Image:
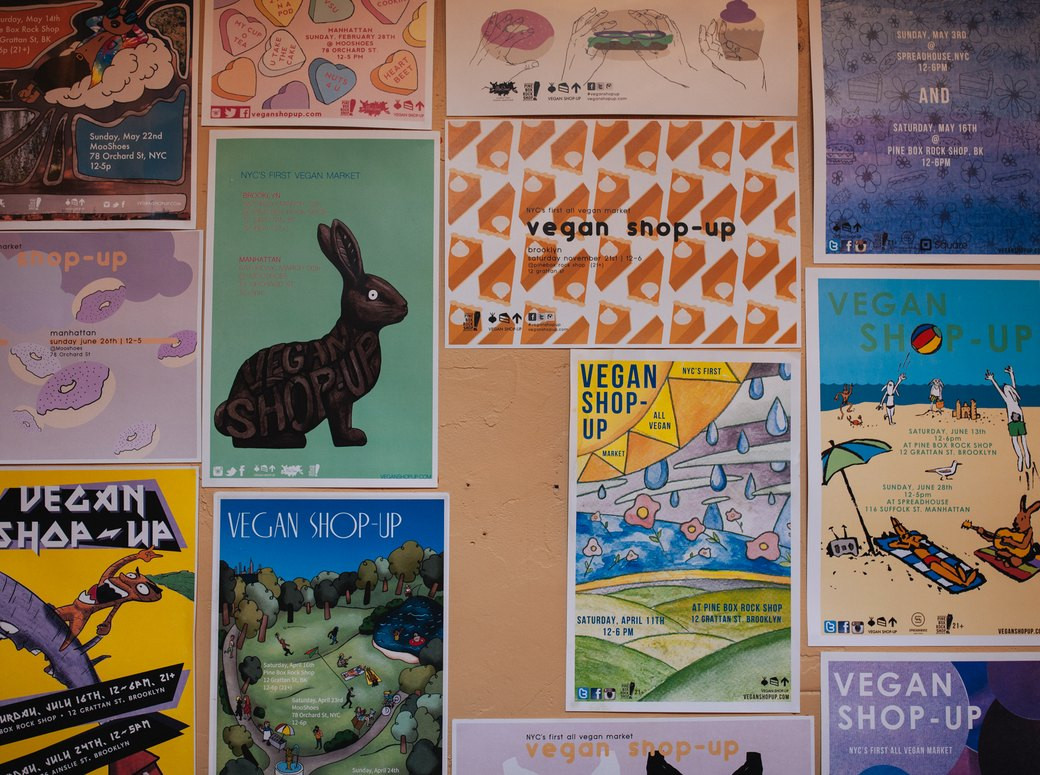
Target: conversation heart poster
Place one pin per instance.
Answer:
(100, 333)
(318, 63)
(925, 131)
(930, 714)
(98, 114)
(631, 233)
(683, 532)
(329, 624)
(629, 746)
(97, 610)
(695, 58)
(923, 480)
(321, 336)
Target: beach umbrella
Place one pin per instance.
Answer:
(285, 730)
(853, 452)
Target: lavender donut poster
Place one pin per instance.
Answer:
(101, 337)
(930, 714)
(926, 133)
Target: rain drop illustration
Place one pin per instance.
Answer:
(750, 487)
(755, 388)
(601, 493)
(778, 465)
(673, 499)
(776, 420)
(742, 443)
(713, 516)
(655, 475)
(712, 434)
(718, 478)
(785, 371)
(772, 499)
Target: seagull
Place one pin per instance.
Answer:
(945, 472)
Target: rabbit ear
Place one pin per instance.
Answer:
(325, 242)
(347, 254)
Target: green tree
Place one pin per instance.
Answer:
(367, 576)
(239, 740)
(405, 562)
(405, 730)
(413, 680)
(248, 618)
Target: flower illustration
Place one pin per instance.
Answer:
(733, 515)
(864, 206)
(848, 21)
(903, 97)
(766, 547)
(693, 529)
(643, 511)
(1015, 96)
(705, 552)
(976, 25)
(632, 555)
(868, 177)
(873, 36)
(946, 217)
(973, 173)
(837, 177)
(593, 548)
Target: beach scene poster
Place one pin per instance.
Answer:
(683, 526)
(329, 633)
(922, 481)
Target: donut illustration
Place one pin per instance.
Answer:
(99, 300)
(180, 352)
(32, 362)
(75, 395)
(138, 439)
(25, 419)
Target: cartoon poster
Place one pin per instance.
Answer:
(320, 315)
(101, 333)
(930, 714)
(922, 480)
(683, 530)
(629, 746)
(701, 58)
(319, 63)
(926, 139)
(565, 233)
(329, 633)
(97, 609)
(97, 123)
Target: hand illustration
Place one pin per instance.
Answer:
(147, 555)
(674, 63)
(715, 45)
(582, 61)
(498, 37)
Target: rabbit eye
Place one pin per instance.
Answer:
(373, 295)
(143, 589)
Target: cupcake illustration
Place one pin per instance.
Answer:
(740, 31)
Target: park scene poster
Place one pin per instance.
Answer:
(329, 634)
(682, 532)
(97, 610)
(922, 483)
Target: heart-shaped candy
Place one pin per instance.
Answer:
(237, 81)
(415, 33)
(239, 33)
(283, 55)
(398, 75)
(279, 12)
(326, 11)
(386, 11)
(330, 81)
(292, 96)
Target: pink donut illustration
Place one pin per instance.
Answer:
(32, 362)
(26, 419)
(180, 352)
(139, 438)
(75, 395)
(99, 300)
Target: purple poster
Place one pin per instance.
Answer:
(931, 714)
(101, 336)
(625, 746)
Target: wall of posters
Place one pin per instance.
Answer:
(683, 526)
(97, 614)
(330, 62)
(940, 714)
(320, 309)
(708, 746)
(926, 144)
(329, 632)
(101, 332)
(98, 116)
(923, 390)
(621, 232)
(680, 58)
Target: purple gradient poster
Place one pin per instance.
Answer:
(931, 714)
(100, 333)
(625, 746)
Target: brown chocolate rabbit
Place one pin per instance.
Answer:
(284, 391)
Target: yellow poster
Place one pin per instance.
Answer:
(97, 589)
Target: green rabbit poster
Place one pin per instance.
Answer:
(320, 309)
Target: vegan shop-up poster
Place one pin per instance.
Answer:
(683, 526)
(101, 333)
(922, 478)
(99, 113)
(329, 633)
(97, 610)
(930, 714)
(320, 312)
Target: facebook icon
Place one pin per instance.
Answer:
(844, 627)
